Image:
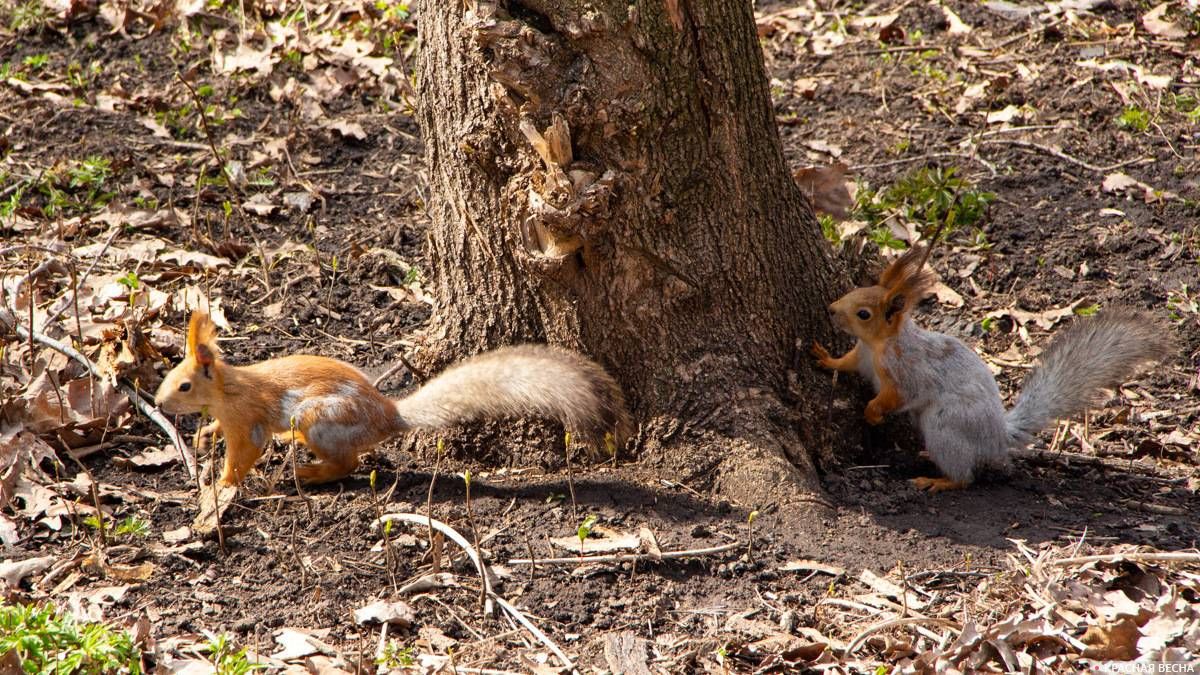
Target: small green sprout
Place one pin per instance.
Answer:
(585, 528)
(227, 661)
(36, 61)
(132, 526)
(130, 280)
(1134, 118)
(1182, 302)
(395, 656)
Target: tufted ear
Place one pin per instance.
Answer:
(902, 268)
(202, 338)
(905, 282)
(895, 303)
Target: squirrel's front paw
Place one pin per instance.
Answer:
(207, 435)
(822, 355)
(874, 414)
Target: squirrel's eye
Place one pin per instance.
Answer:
(186, 386)
(864, 314)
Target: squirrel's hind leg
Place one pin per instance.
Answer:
(327, 470)
(337, 447)
(338, 429)
(291, 435)
(938, 484)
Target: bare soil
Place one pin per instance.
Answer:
(1055, 237)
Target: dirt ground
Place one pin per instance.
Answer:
(1054, 238)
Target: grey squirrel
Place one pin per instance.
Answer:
(949, 391)
(332, 408)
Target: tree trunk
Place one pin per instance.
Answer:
(607, 175)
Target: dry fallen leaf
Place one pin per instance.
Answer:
(214, 500)
(1120, 182)
(13, 572)
(1156, 22)
(298, 202)
(604, 540)
(650, 543)
(1045, 320)
(877, 21)
(1009, 113)
(150, 458)
(260, 204)
(89, 605)
(195, 260)
(827, 188)
(956, 25)
(397, 613)
(244, 58)
(1117, 182)
(294, 644)
(348, 129)
(801, 565)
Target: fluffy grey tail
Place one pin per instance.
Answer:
(524, 380)
(1092, 354)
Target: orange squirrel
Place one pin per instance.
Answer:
(331, 407)
(949, 391)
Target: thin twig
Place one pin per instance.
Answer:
(537, 633)
(1132, 556)
(296, 471)
(1059, 154)
(891, 623)
(917, 158)
(437, 464)
(571, 478)
(895, 50)
(474, 536)
(189, 459)
(626, 557)
(448, 531)
(29, 247)
(457, 538)
(396, 367)
(216, 493)
(212, 145)
(82, 280)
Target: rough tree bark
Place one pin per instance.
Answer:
(607, 175)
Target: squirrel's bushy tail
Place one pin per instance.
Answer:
(536, 380)
(1090, 355)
